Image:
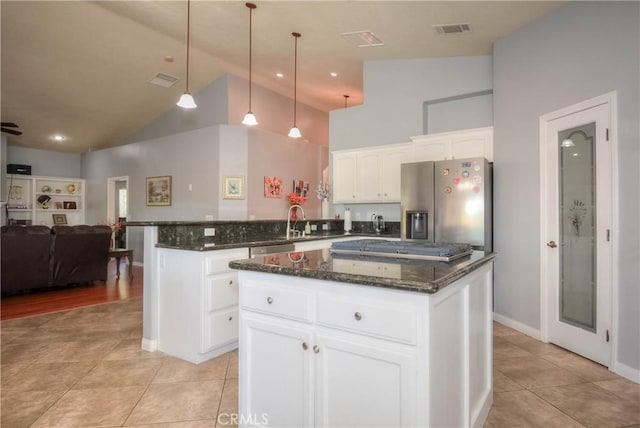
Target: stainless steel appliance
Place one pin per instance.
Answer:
(419, 250)
(448, 201)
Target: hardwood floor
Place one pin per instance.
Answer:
(112, 290)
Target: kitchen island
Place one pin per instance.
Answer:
(342, 340)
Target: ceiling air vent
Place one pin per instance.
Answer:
(362, 39)
(164, 80)
(452, 28)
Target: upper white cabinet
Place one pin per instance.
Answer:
(469, 143)
(45, 200)
(371, 175)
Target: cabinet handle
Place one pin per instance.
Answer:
(305, 346)
(269, 300)
(231, 282)
(316, 349)
(354, 196)
(357, 316)
(378, 194)
(230, 318)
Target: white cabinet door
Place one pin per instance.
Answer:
(368, 177)
(344, 177)
(364, 383)
(431, 149)
(473, 144)
(276, 375)
(390, 180)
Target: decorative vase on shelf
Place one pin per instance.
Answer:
(325, 208)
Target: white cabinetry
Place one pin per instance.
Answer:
(319, 353)
(470, 143)
(371, 175)
(198, 303)
(41, 199)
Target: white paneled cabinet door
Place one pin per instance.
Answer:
(431, 149)
(276, 387)
(344, 177)
(363, 382)
(391, 161)
(476, 144)
(368, 183)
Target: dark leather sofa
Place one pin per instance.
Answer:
(38, 257)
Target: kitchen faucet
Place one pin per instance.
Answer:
(289, 218)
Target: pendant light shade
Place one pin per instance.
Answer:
(250, 118)
(295, 132)
(186, 100)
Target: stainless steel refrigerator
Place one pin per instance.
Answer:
(448, 201)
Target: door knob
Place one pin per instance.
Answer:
(552, 244)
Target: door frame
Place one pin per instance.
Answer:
(609, 98)
(111, 198)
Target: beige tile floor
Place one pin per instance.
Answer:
(84, 368)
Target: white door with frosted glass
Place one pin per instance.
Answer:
(578, 239)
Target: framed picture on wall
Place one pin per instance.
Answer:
(159, 190)
(233, 187)
(59, 219)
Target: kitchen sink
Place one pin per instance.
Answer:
(271, 249)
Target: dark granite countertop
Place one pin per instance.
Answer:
(420, 276)
(260, 241)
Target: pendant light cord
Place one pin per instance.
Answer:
(188, 28)
(295, 77)
(251, 7)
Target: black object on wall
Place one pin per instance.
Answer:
(14, 168)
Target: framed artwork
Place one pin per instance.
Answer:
(233, 187)
(301, 188)
(69, 205)
(272, 187)
(159, 190)
(59, 219)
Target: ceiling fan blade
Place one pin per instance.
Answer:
(11, 131)
(9, 125)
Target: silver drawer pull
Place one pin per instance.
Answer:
(230, 318)
(269, 300)
(357, 316)
(316, 349)
(305, 346)
(231, 282)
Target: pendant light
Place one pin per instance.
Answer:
(250, 118)
(295, 132)
(186, 100)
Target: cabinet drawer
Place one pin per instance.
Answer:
(219, 329)
(368, 317)
(220, 262)
(292, 304)
(221, 291)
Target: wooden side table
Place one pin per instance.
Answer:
(119, 253)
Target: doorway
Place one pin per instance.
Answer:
(118, 207)
(577, 204)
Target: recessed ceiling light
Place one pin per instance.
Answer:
(279, 75)
(333, 74)
(58, 137)
(168, 58)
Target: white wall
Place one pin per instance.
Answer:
(45, 162)
(583, 50)
(233, 160)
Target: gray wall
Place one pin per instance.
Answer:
(46, 162)
(395, 96)
(583, 50)
(288, 159)
(395, 92)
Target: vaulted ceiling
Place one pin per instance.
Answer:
(82, 68)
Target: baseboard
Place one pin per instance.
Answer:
(149, 345)
(483, 414)
(627, 372)
(517, 325)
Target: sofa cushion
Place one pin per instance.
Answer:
(25, 257)
(80, 253)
